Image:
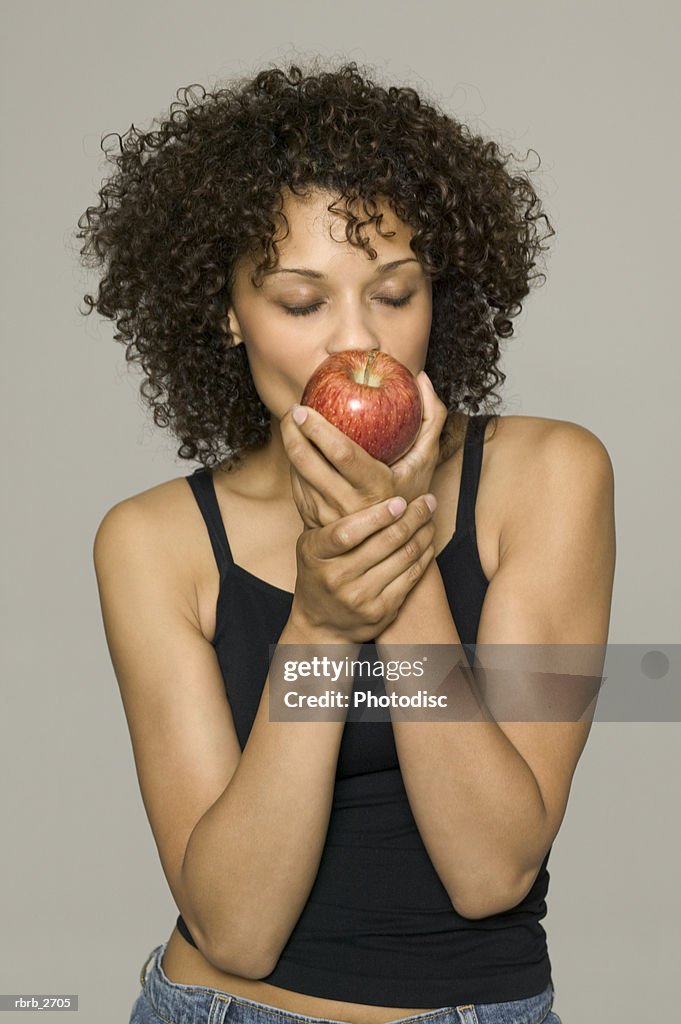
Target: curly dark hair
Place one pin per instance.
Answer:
(189, 200)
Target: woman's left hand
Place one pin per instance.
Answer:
(332, 476)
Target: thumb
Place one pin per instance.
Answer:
(434, 411)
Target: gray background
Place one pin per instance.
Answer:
(594, 89)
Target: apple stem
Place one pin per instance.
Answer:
(367, 369)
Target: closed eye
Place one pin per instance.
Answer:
(307, 310)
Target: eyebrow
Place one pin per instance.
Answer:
(306, 272)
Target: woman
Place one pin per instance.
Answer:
(337, 869)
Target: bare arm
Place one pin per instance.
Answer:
(240, 834)
(252, 859)
(488, 796)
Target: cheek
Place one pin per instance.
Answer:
(280, 363)
(410, 345)
(414, 332)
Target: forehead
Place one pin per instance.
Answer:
(314, 236)
(313, 226)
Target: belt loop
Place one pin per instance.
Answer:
(143, 972)
(218, 1008)
(467, 1014)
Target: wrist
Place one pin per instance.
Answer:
(300, 630)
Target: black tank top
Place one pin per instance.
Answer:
(378, 926)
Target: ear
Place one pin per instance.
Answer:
(231, 324)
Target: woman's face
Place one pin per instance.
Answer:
(337, 299)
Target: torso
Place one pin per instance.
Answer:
(509, 443)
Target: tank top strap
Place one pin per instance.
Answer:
(202, 484)
(470, 472)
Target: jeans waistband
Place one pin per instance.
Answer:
(198, 1004)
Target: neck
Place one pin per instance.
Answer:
(452, 436)
(266, 472)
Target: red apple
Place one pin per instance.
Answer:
(371, 397)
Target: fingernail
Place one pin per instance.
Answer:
(299, 413)
(397, 506)
(431, 502)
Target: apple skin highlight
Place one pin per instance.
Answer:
(371, 397)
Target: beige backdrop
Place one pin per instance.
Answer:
(594, 88)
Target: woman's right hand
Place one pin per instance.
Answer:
(354, 574)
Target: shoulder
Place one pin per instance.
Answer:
(155, 510)
(157, 530)
(537, 445)
(547, 468)
(526, 432)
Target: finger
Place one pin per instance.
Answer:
(313, 468)
(433, 420)
(434, 411)
(360, 469)
(348, 532)
(383, 575)
(387, 553)
(330, 491)
(313, 509)
(395, 592)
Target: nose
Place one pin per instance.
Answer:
(352, 331)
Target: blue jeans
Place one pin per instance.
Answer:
(162, 1001)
